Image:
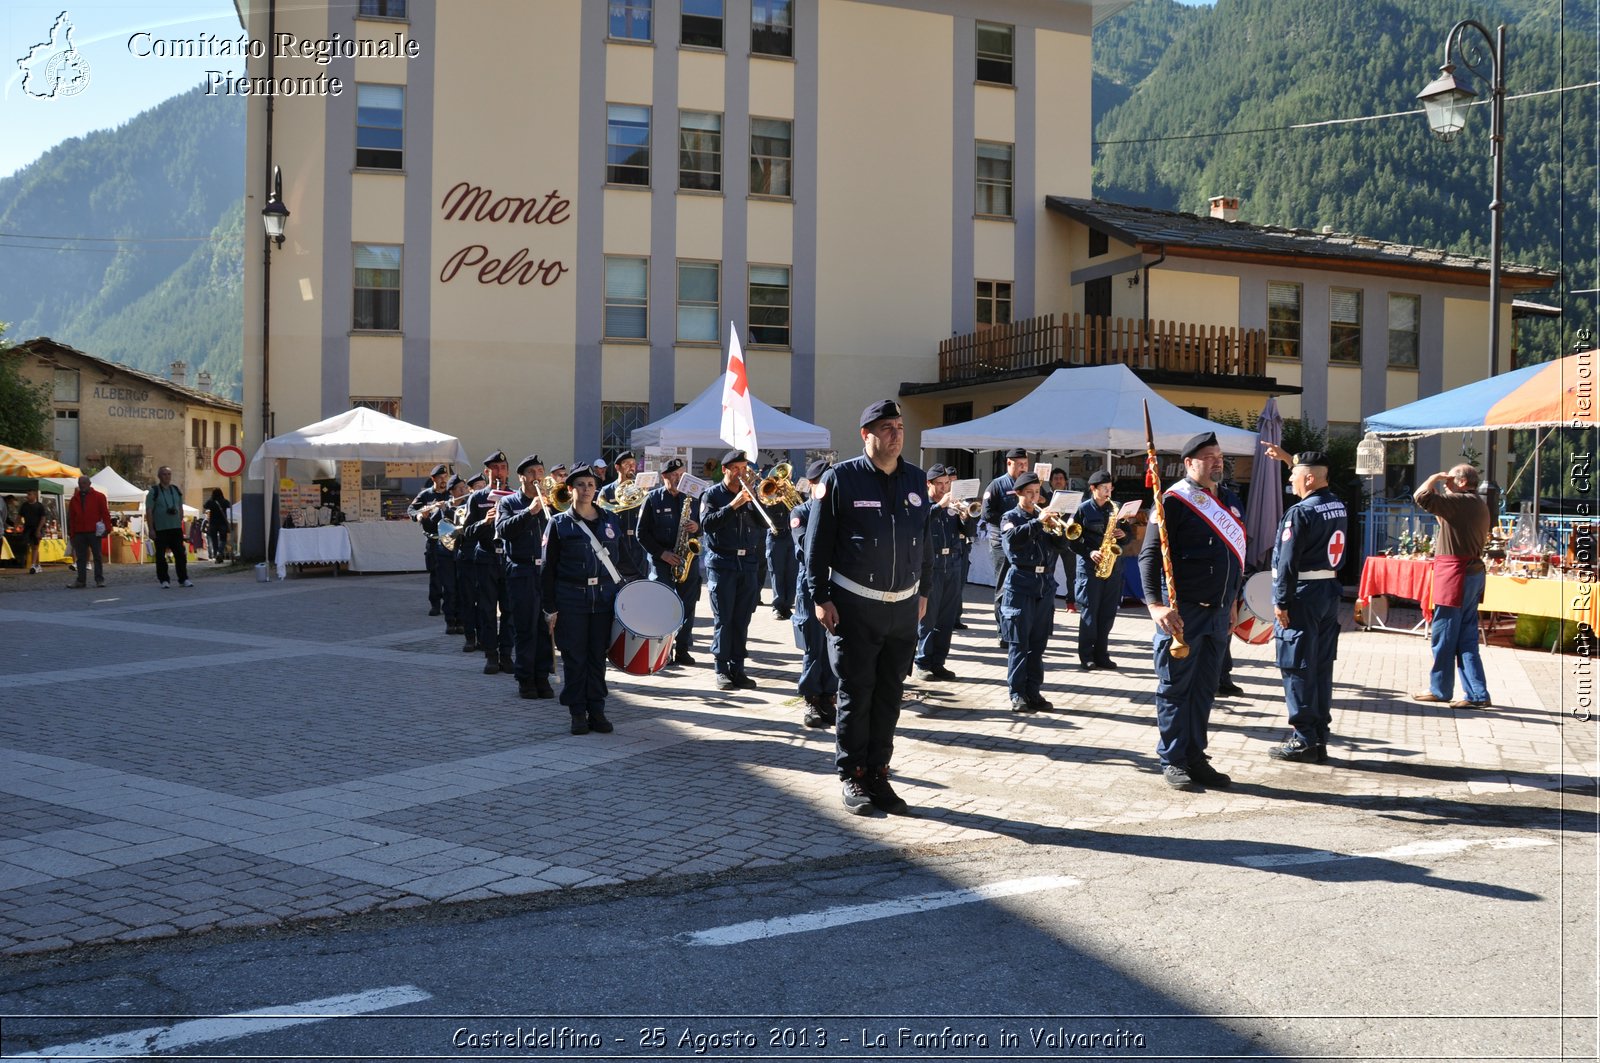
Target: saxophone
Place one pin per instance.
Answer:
(1109, 550)
(684, 546)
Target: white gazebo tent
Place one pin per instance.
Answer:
(699, 424)
(110, 483)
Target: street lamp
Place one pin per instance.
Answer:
(1446, 100)
(274, 214)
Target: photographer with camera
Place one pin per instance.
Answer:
(163, 520)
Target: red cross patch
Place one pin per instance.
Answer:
(1335, 549)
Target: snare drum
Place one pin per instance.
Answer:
(648, 615)
(1256, 614)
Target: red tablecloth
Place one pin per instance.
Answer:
(1398, 577)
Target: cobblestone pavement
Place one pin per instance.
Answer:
(242, 755)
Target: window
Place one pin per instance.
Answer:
(380, 126)
(618, 422)
(700, 151)
(1405, 313)
(383, 8)
(197, 433)
(66, 436)
(627, 297)
(1283, 319)
(1099, 243)
(66, 386)
(772, 27)
(994, 179)
(377, 288)
(996, 52)
(1344, 325)
(383, 404)
(627, 144)
(769, 305)
(699, 303)
(702, 23)
(630, 19)
(770, 140)
(994, 303)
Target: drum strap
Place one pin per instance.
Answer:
(600, 552)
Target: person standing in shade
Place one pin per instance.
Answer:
(634, 562)
(1028, 607)
(466, 569)
(1097, 598)
(217, 525)
(998, 500)
(488, 570)
(88, 520)
(31, 515)
(581, 580)
(867, 568)
(734, 539)
(426, 509)
(1305, 601)
(519, 523)
(1206, 537)
(1458, 581)
(163, 518)
(455, 490)
(661, 519)
(780, 559)
(818, 686)
(938, 623)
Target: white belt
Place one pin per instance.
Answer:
(853, 587)
(1038, 569)
(592, 581)
(946, 550)
(1324, 573)
(739, 553)
(630, 532)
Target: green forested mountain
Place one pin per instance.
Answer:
(128, 242)
(1263, 64)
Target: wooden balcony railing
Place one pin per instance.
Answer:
(1066, 341)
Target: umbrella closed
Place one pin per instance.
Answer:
(1263, 510)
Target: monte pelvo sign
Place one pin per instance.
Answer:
(471, 203)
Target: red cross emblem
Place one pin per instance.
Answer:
(1335, 549)
(740, 383)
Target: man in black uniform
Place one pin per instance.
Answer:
(426, 509)
(1097, 598)
(735, 538)
(519, 522)
(998, 500)
(945, 541)
(634, 563)
(1028, 606)
(1205, 532)
(867, 565)
(818, 686)
(466, 578)
(1067, 548)
(1305, 599)
(488, 569)
(660, 519)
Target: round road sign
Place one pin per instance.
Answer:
(229, 461)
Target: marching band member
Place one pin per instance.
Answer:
(734, 537)
(1066, 547)
(520, 522)
(633, 564)
(450, 560)
(937, 625)
(488, 569)
(426, 509)
(998, 499)
(1206, 540)
(780, 561)
(867, 567)
(818, 685)
(661, 518)
(580, 584)
(466, 573)
(1028, 606)
(1097, 598)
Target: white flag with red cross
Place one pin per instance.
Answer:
(738, 418)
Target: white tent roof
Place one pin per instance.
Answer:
(110, 483)
(360, 434)
(699, 424)
(1096, 408)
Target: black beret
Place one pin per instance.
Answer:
(478, 479)
(815, 470)
(1204, 439)
(1311, 458)
(626, 455)
(734, 455)
(936, 471)
(497, 456)
(531, 459)
(454, 481)
(1100, 476)
(1017, 452)
(439, 470)
(673, 466)
(580, 470)
(558, 468)
(879, 411)
(1023, 481)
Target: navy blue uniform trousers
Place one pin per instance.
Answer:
(494, 606)
(1097, 610)
(467, 596)
(583, 639)
(870, 650)
(522, 588)
(1306, 651)
(939, 622)
(1025, 625)
(781, 568)
(1186, 686)
(733, 600)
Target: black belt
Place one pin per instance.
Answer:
(523, 560)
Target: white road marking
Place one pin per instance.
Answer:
(1399, 852)
(227, 1027)
(758, 929)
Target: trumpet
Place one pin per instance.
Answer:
(970, 508)
(1063, 526)
(779, 487)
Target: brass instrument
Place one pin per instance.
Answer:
(1109, 550)
(685, 546)
(450, 527)
(560, 498)
(627, 496)
(1057, 524)
(963, 509)
(779, 487)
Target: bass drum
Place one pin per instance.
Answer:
(1255, 615)
(648, 616)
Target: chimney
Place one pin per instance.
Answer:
(1225, 208)
(178, 373)
(203, 381)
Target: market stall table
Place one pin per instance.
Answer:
(386, 546)
(311, 546)
(1565, 599)
(1396, 577)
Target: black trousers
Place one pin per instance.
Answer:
(870, 650)
(171, 539)
(997, 557)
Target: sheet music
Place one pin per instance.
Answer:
(966, 490)
(692, 485)
(1064, 501)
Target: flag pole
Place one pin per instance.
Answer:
(1152, 479)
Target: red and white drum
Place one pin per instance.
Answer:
(1255, 615)
(648, 615)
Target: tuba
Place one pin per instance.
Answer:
(779, 487)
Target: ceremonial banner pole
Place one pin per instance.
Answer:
(1152, 480)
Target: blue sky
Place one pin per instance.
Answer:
(120, 83)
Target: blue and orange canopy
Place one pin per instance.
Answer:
(1558, 394)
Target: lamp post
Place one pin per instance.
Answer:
(273, 217)
(1445, 101)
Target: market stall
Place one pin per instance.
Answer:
(13, 545)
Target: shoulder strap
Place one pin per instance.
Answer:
(599, 551)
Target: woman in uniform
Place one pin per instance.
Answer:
(581, 580)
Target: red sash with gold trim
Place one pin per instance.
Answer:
(1208, 508)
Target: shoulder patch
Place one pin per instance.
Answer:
(794, 522)
(914, 498)
(821, 491)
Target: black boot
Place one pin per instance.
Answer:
(882, 794)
